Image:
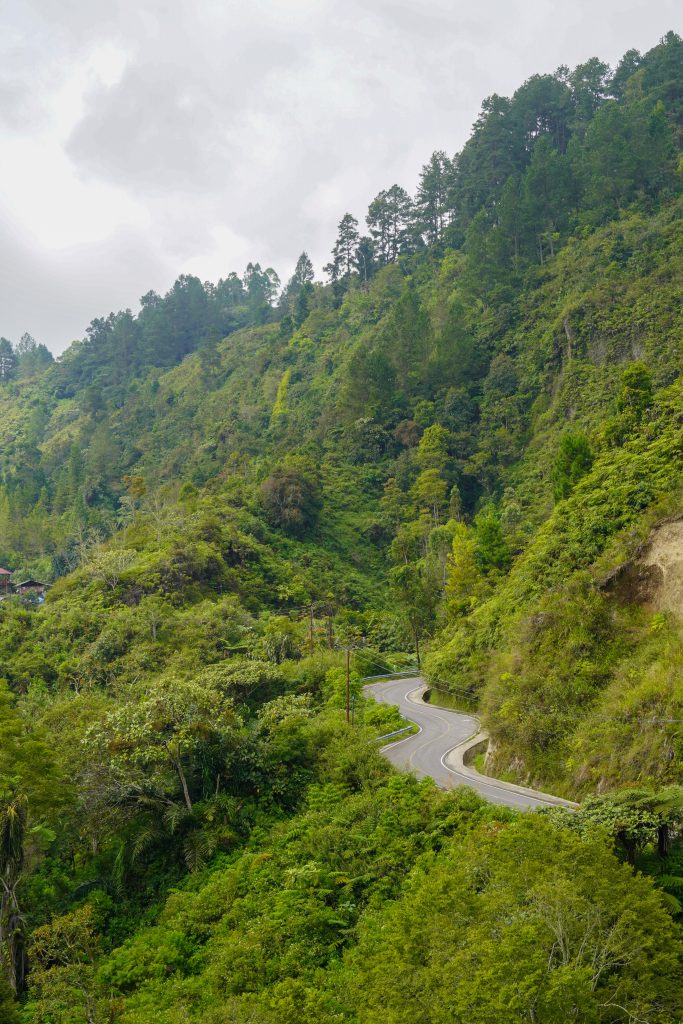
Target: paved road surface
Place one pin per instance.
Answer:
(437, 749)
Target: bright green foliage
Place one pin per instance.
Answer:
(27, 765)
(491, 551)
(635, 396)
(464, 583)
(257, 933)
(280, 407)
(176, 728)
(523, 923)
(329, 916)
(64, 955)
(460, 447)
(634, 818)
(429, 493)
(433, 449)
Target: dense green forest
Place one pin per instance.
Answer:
(463, 448)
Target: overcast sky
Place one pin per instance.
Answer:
(142, 139)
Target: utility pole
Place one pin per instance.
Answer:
(310, 633)
(327, 609)
(348, 646)
(348, 685)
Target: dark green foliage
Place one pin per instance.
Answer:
(574, 459)
(331, 912)
(512, 926)
(416, 595)
(389, 219)
(433, 210)
(343, 262)
(491, 550)
(292, 498)
(9, 1011)
(8, 361)
(33, 358)
(634, 819)
(462, 446)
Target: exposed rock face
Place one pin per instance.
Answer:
(655, 576)
(663, 557)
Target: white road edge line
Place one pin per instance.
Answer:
(466, 774)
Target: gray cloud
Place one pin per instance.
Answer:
(242, 130)
(55, 297)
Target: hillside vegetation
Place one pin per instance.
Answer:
(459, 449)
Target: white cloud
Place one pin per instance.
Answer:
(145, 138)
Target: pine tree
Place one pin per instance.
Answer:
(366, 264)
(343, 262)
(261, 287)
(297, 295)
(8, 361)
(432, 201)
(389, 219)
(547, 198)
(303, 272)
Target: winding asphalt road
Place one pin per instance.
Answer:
(438, 749)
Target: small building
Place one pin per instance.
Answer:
(5, 582)
(32, 588)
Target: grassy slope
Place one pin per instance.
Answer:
(606, 299)
(567, 676)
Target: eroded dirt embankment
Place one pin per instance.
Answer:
(655, 577)
(664, 557)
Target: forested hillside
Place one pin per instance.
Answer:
(465, 448)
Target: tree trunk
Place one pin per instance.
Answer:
(12, 942)
(630, 847)
(183, 783)
(12, 925)
(663, 841)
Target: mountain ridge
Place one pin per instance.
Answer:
(246, 502)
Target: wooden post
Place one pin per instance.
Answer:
(348, 684)
(310, 633)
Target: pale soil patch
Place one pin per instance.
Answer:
(664, 557)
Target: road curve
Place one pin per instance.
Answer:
(437, 749)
